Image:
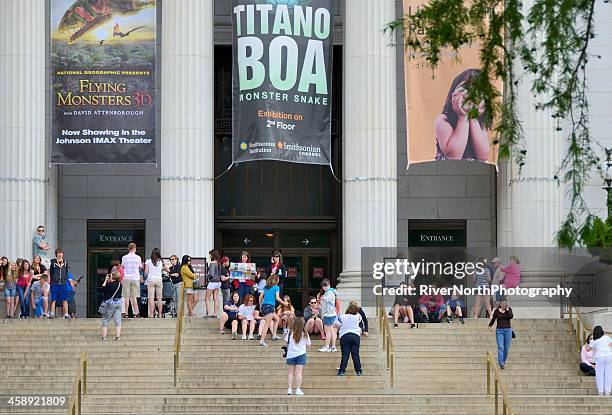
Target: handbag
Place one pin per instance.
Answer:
(104, 305)
(286, 346)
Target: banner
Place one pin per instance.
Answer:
(282, 80)
(438, 128)
(103, 81)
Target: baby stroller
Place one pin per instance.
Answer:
(167, 299)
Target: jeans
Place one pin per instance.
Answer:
(243, 290)
(588, 370)
(504, 337)
(176, 295)
(24, 301)
(349, 344)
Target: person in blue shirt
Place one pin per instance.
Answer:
(268, 299)
(454, 306)
(229, 317)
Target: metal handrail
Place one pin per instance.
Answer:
(79, 388)
(385, 328)
(582, 330)
(506, 407)
(178, 332)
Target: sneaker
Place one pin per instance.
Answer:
(289, 391)
(502, 367)
(263, 344)
(360, 373)
(333, 349)
(462, 321)
(275, 338)
(258, 336)
(234, 335)
(448, 320)
(221, 332)
(299, 392)
(117, 338)
(340, 373)
(324, 349)
(251, 337)
(243, 337)
(103, 338)
(285, 331)
(412, 325)
(51, 315)
(395, 326)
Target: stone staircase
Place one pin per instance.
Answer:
(541, 375)
(439, 369)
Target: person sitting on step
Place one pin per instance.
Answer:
(432, 307)
(586, 358)
(402, 309)
(246, 315)
(229, 318)
(454, 306)
(312, 315)
(286, 314)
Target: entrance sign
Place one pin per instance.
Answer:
(103, 81)
(282, 80)
(436, 108)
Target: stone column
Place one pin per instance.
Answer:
(187, 116)
(369, 137)
(22, 125)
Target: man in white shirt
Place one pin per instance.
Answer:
(130, 291)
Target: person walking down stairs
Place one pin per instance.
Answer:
(503, 334)
(602, 353)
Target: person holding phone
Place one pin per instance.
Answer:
(312, 315)
(111, 295)
(268, 299)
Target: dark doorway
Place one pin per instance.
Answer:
(107, 240)
(266, 205)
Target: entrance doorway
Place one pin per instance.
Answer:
(307, 265)
(107, 240)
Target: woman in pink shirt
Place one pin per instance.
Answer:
(432, 305)
(586, 358)
(512, 273)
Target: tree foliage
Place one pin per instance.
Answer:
(546, 45)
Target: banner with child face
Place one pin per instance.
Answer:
(103, 81)
(282, 80)
(438, 127)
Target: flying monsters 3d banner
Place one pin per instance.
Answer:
(103, 81)
(282, 80)
(436, 109)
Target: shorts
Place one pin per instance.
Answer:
(213, 285)
(154, 289)
(112, 311)
(329, 321)
(38, 306)
(189, 291)
(267, 309)
(130, 289)
(10, 292)
(59, 292)
(297, 360)
(228, 323)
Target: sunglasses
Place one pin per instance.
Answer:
(313, 302)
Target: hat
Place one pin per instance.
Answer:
(224, 259)
(496, 259)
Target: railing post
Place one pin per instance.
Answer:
(504, 407)
(175, 366)
(85, 375)
(392, 370)
(578, 334)
(569, 321)
(488, 375)
(496, 397)
(79, 397)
